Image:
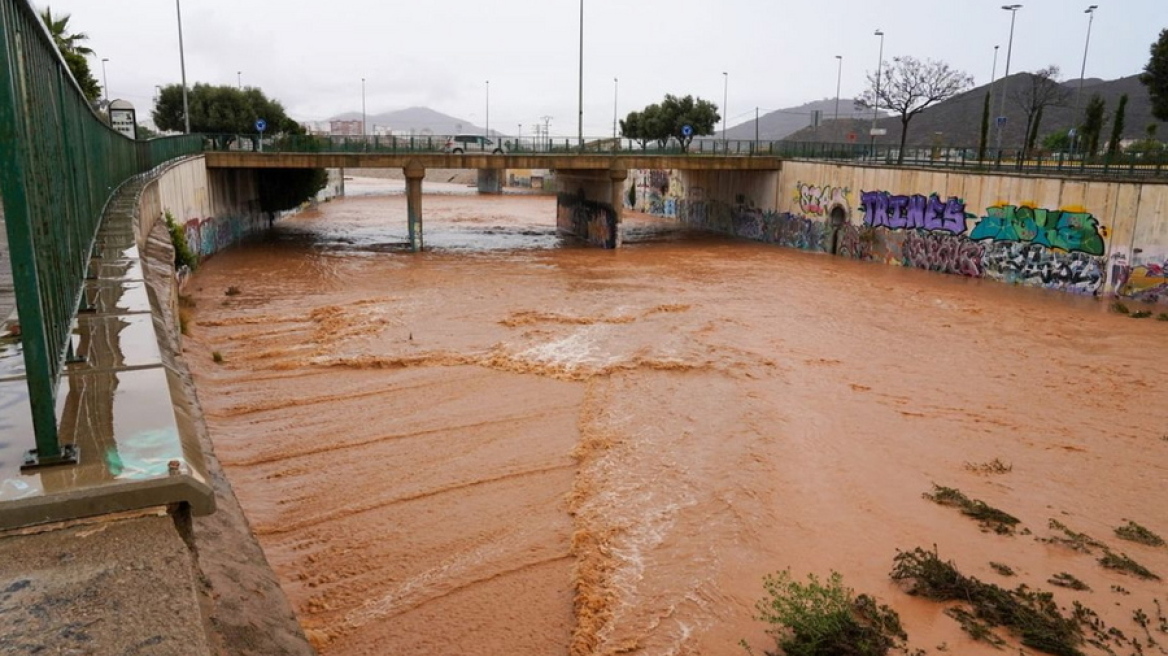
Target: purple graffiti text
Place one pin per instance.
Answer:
(916, 212)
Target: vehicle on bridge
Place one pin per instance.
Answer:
(473, 143)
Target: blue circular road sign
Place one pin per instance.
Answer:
(686, 131)
(261, 125)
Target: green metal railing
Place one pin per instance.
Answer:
(59, 164)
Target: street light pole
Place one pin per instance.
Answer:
(580, 123)
(838, 76)
(488, 120)
(183, 65)
(362, 106)
(876, 98)
(105, 81)
(615, 93)
(1090, 11)
(725, 105)
(1013, 9)
(239, 79)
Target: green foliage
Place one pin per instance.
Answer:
(285, 189)
(1002, 568)
(1155, 76)
(1117, 126)
(1121, 308)
(986, 515)
(217, 357)
(144, 132)
(73, 52)
(1057, 141)
(1067, 580)
(663, 121)
(183, 255)
(223, 109)
(1093, 123)
(985, 128)
(826, 619)
(1123, 563)
(1031, 614)
(1072, 539)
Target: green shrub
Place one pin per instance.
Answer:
(1136, 533)
(183, 255)
(826, 619)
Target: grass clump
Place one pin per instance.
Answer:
(1120, 308)
(986, 515)
(995, 466)
(1140, 314)
(826, 619)
(1123, 563)
(217, 357)
(232, 291)
(1077, 541)
(1002, 568)
(1068, 580)
(1136, 533)
(183, 255)
(1163, 316)
(1030, 614)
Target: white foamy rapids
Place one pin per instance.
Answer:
(582, 349)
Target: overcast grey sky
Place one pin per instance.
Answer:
(311, 55)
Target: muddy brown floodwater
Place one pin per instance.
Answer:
(511, 445)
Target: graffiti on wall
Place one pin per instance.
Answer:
(591, 221)
(1020, 262)
(1147, 281)
(213, 234)
(942, 253)
(659, 191)
(816, 200)
(916, 212)
(1072, 231)
(749, 222)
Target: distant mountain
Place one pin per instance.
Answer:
(957, 121)
(776, 125)
(416, 120)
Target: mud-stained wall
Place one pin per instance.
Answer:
(584, 208)
(216, 208)
(1093, 237)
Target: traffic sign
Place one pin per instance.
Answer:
(877, 132)
(1000, 121)
(261, 125)
(686, 131)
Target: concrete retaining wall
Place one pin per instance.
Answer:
(1094, 237)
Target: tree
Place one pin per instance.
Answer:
(908, 86)
(222, 109)
(73, 52)
(1155, 77)
(1043, 91)
(663, 121)
(985, 128)
(1093, 124)
(1057, 141)
(1117, 126)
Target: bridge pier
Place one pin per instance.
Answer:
(589, 205)
(491, 181)
(414, 172)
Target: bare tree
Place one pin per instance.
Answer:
(1044, 90)
(908, 86)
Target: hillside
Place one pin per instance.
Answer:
(958, 119)
(418, 120)
(778, 124)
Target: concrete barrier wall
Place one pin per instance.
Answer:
(216, 208)
(585, 208)
(1094, 237)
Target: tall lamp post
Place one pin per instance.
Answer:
(615, 93)
(362, 106)
(1090, 11)
(838, 76)
(239, 80)
(725, 105)
(580, 123)
(104, 80)
(876, 98)
(183, 65)
(1013, 9)
(488, 119)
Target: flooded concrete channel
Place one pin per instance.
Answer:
(511, 444)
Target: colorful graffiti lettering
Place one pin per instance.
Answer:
(1070, 231)
(1147, 282)
(855, 242)
(942, 253)
(916, 212)
(819, 201)
(748, 222)
(591, 221)
(1035, 264)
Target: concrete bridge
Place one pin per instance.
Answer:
(589, 203)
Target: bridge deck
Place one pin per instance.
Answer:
(254, 160)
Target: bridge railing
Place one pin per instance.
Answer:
(940, 156)
(59, 164)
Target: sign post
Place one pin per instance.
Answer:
(260, 126)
